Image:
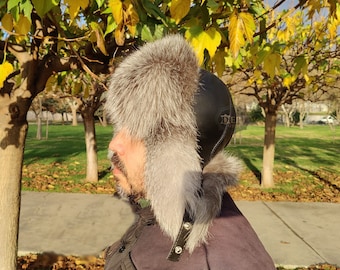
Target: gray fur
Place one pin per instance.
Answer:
(151, 96)
(221, 172)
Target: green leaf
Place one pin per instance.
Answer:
(300, 64)
(151, 32)
(153, 10)
(27, 8)
(262, 54)
(12, 3)
(100, 3)
(111, 25)
(43, 7)
(213, 6)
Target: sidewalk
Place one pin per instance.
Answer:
(295, 234)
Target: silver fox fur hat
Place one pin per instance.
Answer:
(151, 95)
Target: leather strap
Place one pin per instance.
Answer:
(182, 237)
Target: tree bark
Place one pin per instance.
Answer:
(39, 116)
(91, 148)
(13, 130)
(268, 150)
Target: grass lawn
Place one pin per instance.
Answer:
(306, 160)
(62, 156)
(304, 157)
(310, 148)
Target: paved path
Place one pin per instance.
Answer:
(295, 234)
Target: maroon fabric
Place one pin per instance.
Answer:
(233, 244)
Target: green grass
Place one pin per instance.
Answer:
(310, 148)
(65, 149)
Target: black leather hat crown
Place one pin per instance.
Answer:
(215, 116)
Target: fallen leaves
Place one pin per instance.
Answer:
(320, 186)
(52, 261)
(58, 177)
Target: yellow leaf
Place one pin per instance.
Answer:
(257, 74)
(288, 80)
(179, 9)
(248, 25)
(212, 39)
(204, 40)
(131, 14)
(23, 26)
(220, 62)
(193, 35)
(307, 78)
(83, 3)
(51, 82)
(117, 10)
(120, 35)
(132, 29)
(241, 25)
(271, 64)
(74, 6)
(333, 28)
(314, 6)
(99, 37)
(235, 34)
(199, 48)
(7, 22)
(6, 69)
(131, 17)
(76, 89)
(229, 60)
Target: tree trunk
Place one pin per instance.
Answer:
(74, 118)
(268, 151)
(74, 107)
(286, 116)
(104, 122)
(39, 116)
(91, 148)
(46, 131)
(13, 130)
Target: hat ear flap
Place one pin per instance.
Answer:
(173, 181)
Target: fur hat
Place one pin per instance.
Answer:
(152, 96)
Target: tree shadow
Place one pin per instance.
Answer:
(104, 173)
(252, 168)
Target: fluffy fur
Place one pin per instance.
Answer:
(221, 172)
(151, 95)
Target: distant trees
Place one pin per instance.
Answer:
(296, 59)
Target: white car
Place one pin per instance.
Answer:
(327, 120)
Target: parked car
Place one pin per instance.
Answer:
(327, 120)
